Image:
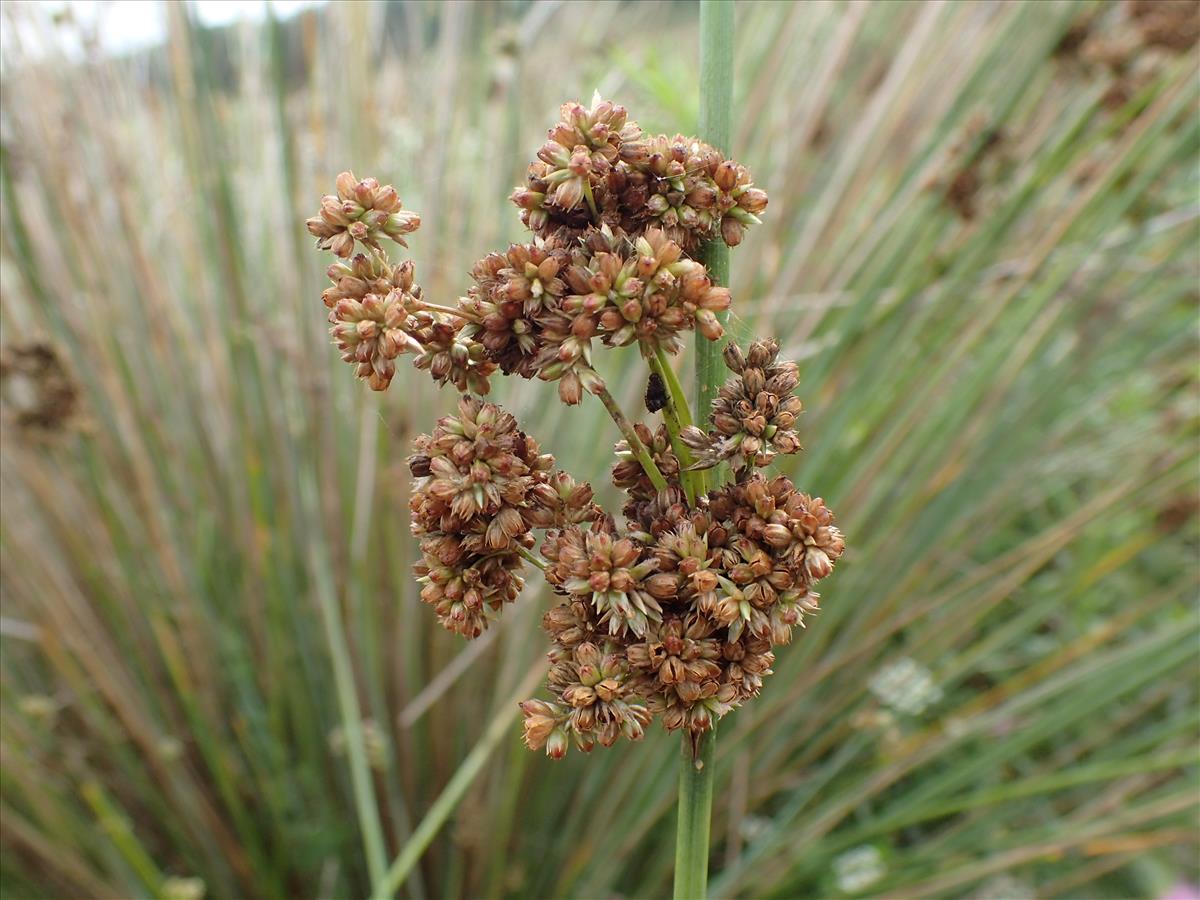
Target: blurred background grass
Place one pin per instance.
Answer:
(982, 246)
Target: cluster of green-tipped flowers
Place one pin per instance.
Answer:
(673, 608)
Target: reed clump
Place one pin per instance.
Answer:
(997, 698)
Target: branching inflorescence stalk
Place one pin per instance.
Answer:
(635, 444)
(677, 416)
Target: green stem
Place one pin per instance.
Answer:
(696, 759)
(716, 126)
(674, 387)
(674, 414)
(529, 557)
(635, 443)
(347, 697)
(591, 201)
(695, 812)
(683, 409)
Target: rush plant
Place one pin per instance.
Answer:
(673, 607)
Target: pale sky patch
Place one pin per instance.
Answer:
(121, 26)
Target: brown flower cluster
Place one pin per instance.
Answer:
(599, 168)
(613, 572)
(616, 216)
(686, 606)
(373, 320)
(1171, 24)
(754, 414)
(597, 691)
(685, 622)
(538, 307)
(675, 612)
(482, 486)
(376, 308)
(360, 211)
(1132, 42)
(37, 392)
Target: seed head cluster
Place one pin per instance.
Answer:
(363, 212)
(482, 486)
(598, 164)
(754, 414)
(616, 216)
(539, 308)
(689, 603)
(376, 310)
(37, 391)
(675, 611)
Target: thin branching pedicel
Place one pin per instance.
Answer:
(676, 611)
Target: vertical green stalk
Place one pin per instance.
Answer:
(696, 759)
(716, 117)
(695, 814)
(347, 696)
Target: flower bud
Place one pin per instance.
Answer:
(726, 175)
(753, 200)
(777, 536)
(731, 231)
(556, 744)
(817, 562)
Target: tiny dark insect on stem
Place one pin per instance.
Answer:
(656, 393)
